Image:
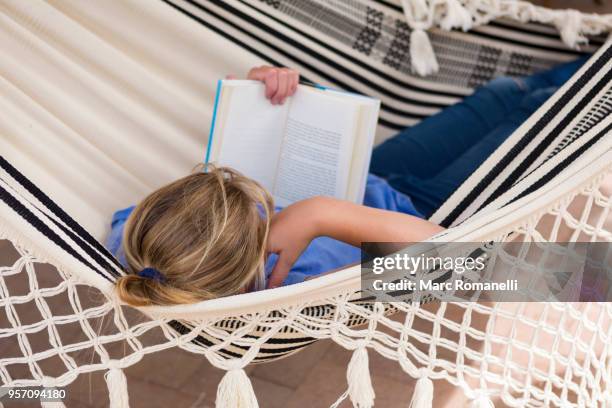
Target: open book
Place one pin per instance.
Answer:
(317, 143)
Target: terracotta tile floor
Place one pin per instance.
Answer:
(314, 377)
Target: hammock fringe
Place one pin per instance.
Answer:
(360, 387)
(569, 26)
(117, 387)
(456, 16)
(423, 393)
(236, 391)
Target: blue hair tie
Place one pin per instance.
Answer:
(152, 273)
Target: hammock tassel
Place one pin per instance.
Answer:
(359, 382)
(117, 387)
(569, 27)
(456, 16)
(423, 393)
(422, 56)
(482, 401)
(236, 391)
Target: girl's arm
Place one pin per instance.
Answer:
(354, 224)
(293, 228)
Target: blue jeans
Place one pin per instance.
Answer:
(430, 160)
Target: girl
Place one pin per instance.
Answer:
(209, 234)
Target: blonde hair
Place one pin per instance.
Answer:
(205, 233)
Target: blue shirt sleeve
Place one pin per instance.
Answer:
(379, 194)
(323, 254)
(113, 241)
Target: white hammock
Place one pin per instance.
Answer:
(100, 105)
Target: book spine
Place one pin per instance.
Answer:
(312, 84)
(212, 125)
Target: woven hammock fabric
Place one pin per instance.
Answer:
(99, 106)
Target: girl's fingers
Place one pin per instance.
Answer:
(280, 82)
(271, 81)
(295, 78)
(257, 74)
(283, 87)
(280, 272)
(292, 79)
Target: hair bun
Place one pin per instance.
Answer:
(131, 289)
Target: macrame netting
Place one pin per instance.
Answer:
(550, 182)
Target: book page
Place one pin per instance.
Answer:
(250, 131)
(317, 148)
(362, 152)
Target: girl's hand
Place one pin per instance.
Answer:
(291, 231)
(280, 82)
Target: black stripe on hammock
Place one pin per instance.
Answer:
(490, 36)
(81, 237)
(75, 238)
(282, 353)
(384, 107)
(531, 133)
(561, 49)
(537, 28)
(199, 339)
(561, 166)
(272, 351)
(44, 229)
(283, 350)
(282, 340)
(523, 28)
(547, 141)
(591, 118)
